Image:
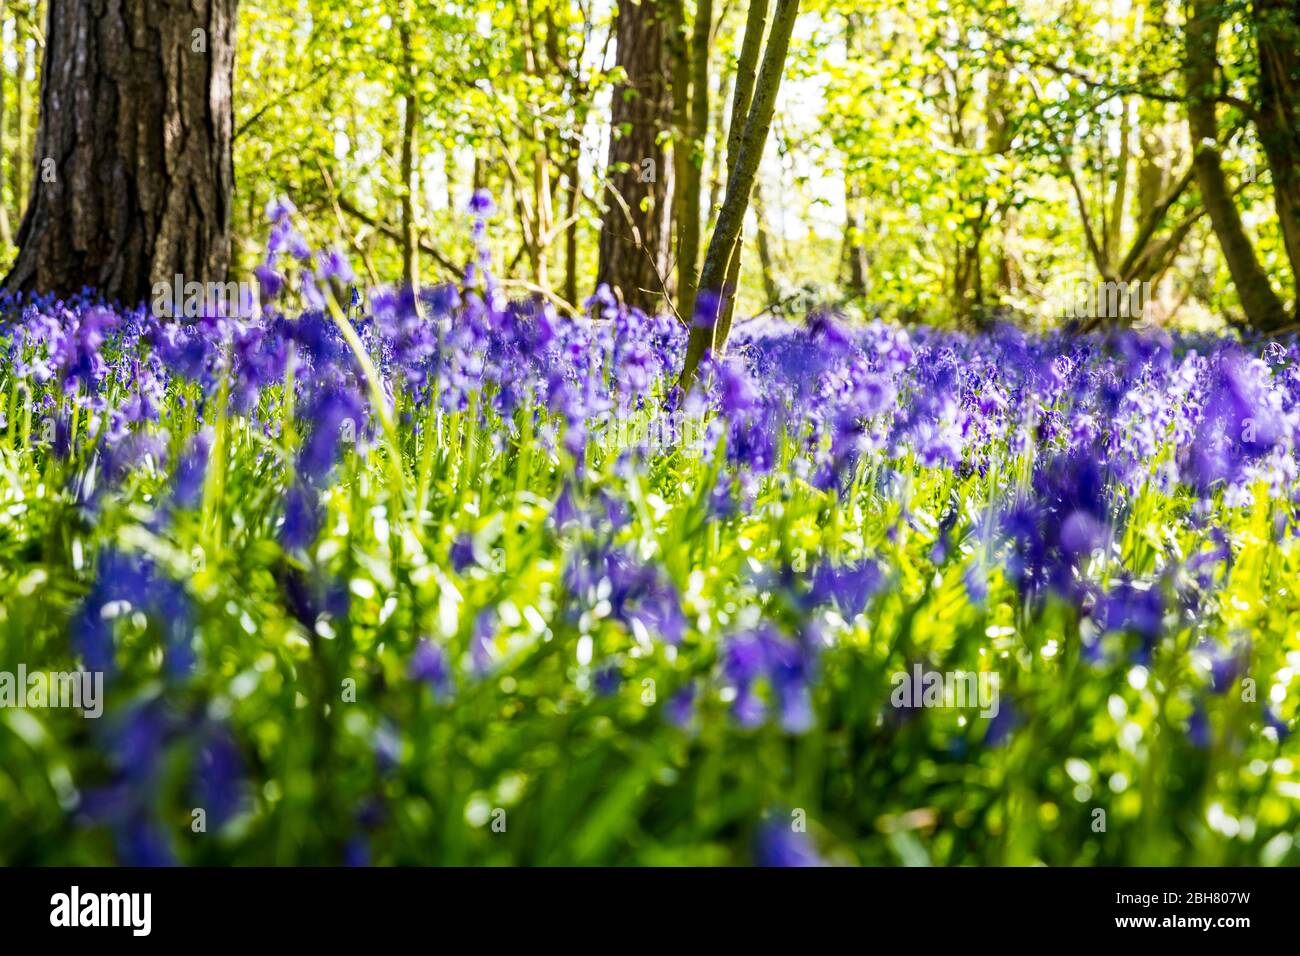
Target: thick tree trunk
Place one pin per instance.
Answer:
(133, 170)
(634, 235)
(1264, 310)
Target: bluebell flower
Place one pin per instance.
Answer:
(607, 678)
(462, 553)
(1198, 728)
(356, 851)
(1001, 725)
(387, 746)
(335, 265)
(848, 586)
(679, 709)
(336, 418)
(191, 471)
(143, 843)
(429, 664)
(302, 517)
(219, 775)
(1274, 720)
(481, 204)
(776, 844)
(482, 653)
(1127, 607)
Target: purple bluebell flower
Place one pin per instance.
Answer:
(1274, 720)
(1127, 607)
(1198, 728)
(777, 844)
(336, 418)
(607, 678)
(762, 656)
(302, 517)
(1001, 725)
(430, 665)
(462, 553)
(334, 265)
(848, 586)
(219, 775)
(356, 852)
(679, 709)
(191, 471)
(481, 204)
(387, 746)
(482, 652)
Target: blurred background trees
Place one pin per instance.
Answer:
(952, 161)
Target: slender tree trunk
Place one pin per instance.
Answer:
(573, 195)
(1119, 196)
(740, 184)
(717, 165)
(449, 170)
(764, 250)
(1007, 277)
(1264, 310)
(742, 98)
(410, 164)
(6, 233)
(1153, 216)
(688, 244)
(679, 56)
(853, 254)
(634, 235)
(133, 174)
(1152, 169)
(542, 216)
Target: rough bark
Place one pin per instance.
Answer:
(634, 236)
(1264, 310)
(133, 172)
